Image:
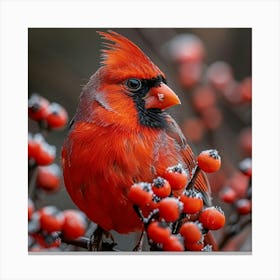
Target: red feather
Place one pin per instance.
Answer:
(124, 59)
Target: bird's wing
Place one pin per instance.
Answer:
(201, 183)
(174, 131)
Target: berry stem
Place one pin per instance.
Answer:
(144, 220)
(43, 128)
(193, 178)
(139, 245)
(178, 223)
(32, 175)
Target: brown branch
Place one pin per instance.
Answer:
(85, 243)
(82, 242)
(232, 230)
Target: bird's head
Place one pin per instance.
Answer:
(127, 74)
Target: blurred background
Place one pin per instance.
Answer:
(209, 69)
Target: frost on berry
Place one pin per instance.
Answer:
(34, 223)
(161, 187)
(170, 209)
(49, 148)
(186, 48)
(177, 177)
(245, 166)
(192, 201)
(37, 107)
(74, 224)
(140, 194)
(193, 193)
(158, 182)
(48, 177)
(213, 153)
(228, 194)
(38, 137)
(176, 168)
(212, 218)
(209, 160)
(220, 75)
(244, 206)
(57, 116)
(158, 232)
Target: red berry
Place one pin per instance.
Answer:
(33, 146)
(189, 74)
(169, 209)
(244, 206)
(158, 232)
(246, 89)
(212, 218)
(245, 166)
(140, 194)
(212, 117)
(46, 154)
(51, 219)
(173, 244)
(74, 224)
(197, 246)
(239, 183)
(186, 48)
(148, 208)
(49, 240)
(37, 107)
(203, 98)
(192, 201)
(228, 195)
(220, 75)
(209, 161)
(176, 176)
(194, 129)
(191, 232)
(40, 150)
(232, 93)
(31, 208)
(245, 141)
(48, 177)
(161, 187)
(57, 116)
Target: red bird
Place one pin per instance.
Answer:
(121, 134)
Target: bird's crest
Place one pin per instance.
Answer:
(126, 59)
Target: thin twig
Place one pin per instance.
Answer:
(193, 178)
(232, 230)
(145, 221)
(32, 175)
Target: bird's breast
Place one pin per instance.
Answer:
(101, 163)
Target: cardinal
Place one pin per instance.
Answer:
(122, 134)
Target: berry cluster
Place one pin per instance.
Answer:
(237, 194)
(49, 115)
(47, 226)
(221, 106)
(172, 209)
(41, 155)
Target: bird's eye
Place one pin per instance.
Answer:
(133, 84)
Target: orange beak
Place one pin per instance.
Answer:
(161, 97)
